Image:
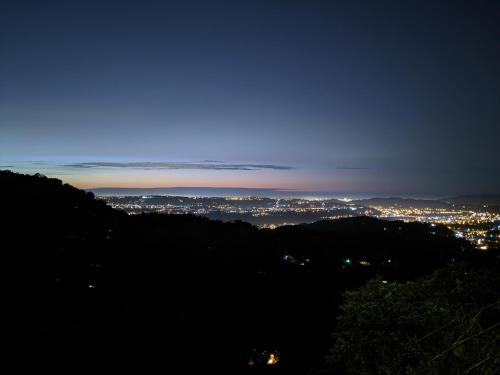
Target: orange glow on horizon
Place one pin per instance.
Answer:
(154, 181)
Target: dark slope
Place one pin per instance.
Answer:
(88, 289)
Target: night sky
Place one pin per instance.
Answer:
(392, 97)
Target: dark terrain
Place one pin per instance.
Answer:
(88, 289)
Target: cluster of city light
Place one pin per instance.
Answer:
(475, 226)
(230, 205)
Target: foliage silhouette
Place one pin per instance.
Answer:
(445, 323)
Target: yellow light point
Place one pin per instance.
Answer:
(273, 359)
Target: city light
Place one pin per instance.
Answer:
(479, 226)
(273, 359)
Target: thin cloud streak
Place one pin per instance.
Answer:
(352, 168)
(177, 166)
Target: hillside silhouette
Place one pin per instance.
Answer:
(88, 289)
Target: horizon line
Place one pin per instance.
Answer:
(305, 192)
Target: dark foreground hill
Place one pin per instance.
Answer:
(89, 290)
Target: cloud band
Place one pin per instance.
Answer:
(176, 166)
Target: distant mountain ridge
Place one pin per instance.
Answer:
(402, 202)
(475, 199)
(186, 191)
(221, 192)
(362, 199)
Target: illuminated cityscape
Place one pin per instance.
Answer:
(478, 224)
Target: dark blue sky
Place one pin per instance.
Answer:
(396, 97)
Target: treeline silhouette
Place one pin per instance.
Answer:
(87, 289)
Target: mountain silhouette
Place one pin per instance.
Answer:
(88, 289)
